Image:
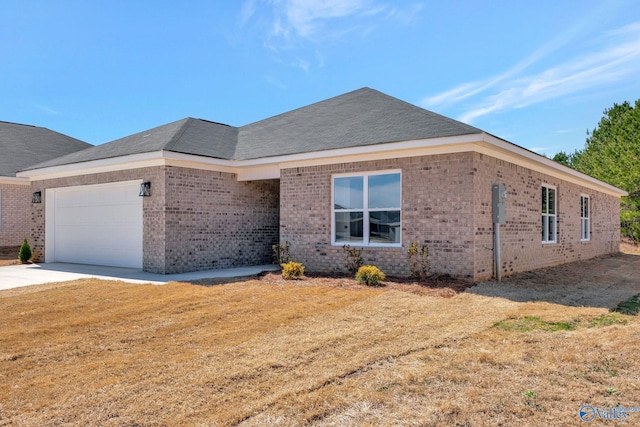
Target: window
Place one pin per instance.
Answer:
(585, 218)
(548, 214)
(366, 209)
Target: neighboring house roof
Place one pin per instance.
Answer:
(358, 118)
(23, 146)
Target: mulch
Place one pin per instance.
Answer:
(437, 286)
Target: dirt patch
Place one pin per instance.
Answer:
(9, 255)
(598, 282)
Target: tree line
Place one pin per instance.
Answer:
(612, 154)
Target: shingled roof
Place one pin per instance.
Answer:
(190, 136)
(359, 118)
(22, 146)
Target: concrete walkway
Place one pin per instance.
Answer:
(14, 276)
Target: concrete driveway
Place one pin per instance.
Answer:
(14, 276)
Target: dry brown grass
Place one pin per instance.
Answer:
(268, 352)
(629, 247)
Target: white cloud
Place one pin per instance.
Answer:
(620, 57)
(295, 26)
(306, 16)
(46, 109)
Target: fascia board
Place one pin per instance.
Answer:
(498, 148)
(13, 180)
(133, 161)
(361, 151)
(199, 162)
(269, 167)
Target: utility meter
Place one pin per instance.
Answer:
(499, 203)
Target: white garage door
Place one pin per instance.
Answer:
(95, 224)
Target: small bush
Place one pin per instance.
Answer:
(25, 252)
(418, 259)
(292, 270)
(370, 275)
(352, 258)
(281, 253)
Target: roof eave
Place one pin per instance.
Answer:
(269, 167)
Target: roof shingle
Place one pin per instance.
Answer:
(359, 118)
(22, 146)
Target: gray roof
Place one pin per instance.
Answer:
(190, 136)
(359, 118)
(23, 146)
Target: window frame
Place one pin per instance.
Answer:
(585, 232)
(545, 237)
(365, 209)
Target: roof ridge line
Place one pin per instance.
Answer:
(176, 136)
(20, 124)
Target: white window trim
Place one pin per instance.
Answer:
(365, 210)
(585, 219)
(550, 216)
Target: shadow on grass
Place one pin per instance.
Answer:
(599, 282)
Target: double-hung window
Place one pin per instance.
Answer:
(585, 218)
(549, 215)
(366, 209)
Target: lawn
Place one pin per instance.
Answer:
(263, 352)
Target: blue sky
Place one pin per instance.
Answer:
(538, 74)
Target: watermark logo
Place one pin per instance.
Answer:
(589, 413)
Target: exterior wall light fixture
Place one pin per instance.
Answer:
(36, 197)
(145, 189)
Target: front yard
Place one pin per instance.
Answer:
(319, 351)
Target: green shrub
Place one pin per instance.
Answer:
(292, 270)
(352, 258)
(370, 275)
(25, 252)
(418, 259)
(281, 253)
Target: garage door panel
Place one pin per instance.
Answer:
(99, 225)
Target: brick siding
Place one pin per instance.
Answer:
(433, 188)
(446, 204)
(214, 221)
(521, 236)
(14, 218)
(198, 219)
(194, 219)
(153, 211)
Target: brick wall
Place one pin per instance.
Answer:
(153, 208)
(521, 236)
(14, 218)
(214, 221)
(446, 204)
(198, 219)
(436, 210)
(194, 219)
